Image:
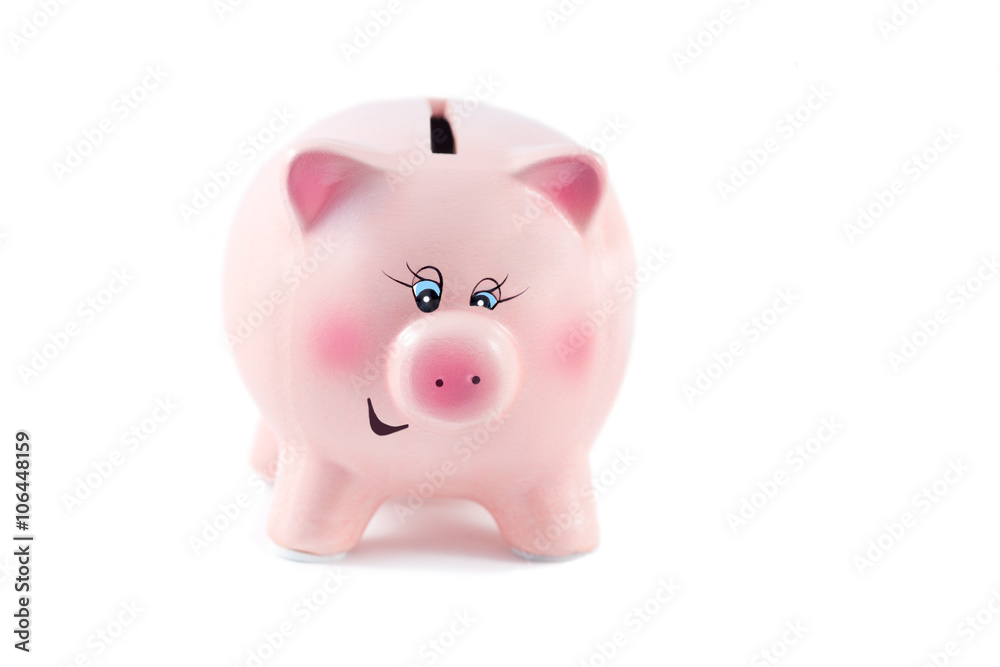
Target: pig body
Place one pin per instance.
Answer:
(457, 322)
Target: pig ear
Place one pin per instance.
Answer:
(320, 177)
(571, 177)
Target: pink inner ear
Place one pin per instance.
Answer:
(572, 184)
(315, 180)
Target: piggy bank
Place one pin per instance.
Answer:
(427, 301)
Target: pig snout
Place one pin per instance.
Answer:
(454, 369)
(447, 379)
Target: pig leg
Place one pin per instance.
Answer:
(264, 455)
(551, 518)
(319, 507)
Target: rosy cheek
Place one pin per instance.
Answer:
(338, 341)
(573, 346)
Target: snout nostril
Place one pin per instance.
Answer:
(439, 383)
(475, 379)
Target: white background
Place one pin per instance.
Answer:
(687, 126)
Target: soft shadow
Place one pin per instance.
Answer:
(442, 535)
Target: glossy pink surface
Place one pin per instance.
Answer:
(366, 389)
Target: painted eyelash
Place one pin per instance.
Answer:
(497, 286)
(417, 277)
(440, 281)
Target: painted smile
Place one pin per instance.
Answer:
(378, 426)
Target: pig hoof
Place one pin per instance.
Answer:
(305, 557)
(538, 558)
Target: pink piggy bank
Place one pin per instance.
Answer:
(419, 298)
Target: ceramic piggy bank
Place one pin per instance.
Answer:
(426, 299)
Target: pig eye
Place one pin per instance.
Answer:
(428, 295)
(486, 294)
(426, 290)
(484, 299)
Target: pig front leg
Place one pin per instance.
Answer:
(319, 508)
(552, 517)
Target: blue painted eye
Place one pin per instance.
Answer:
(427, 294)
(484, 299)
